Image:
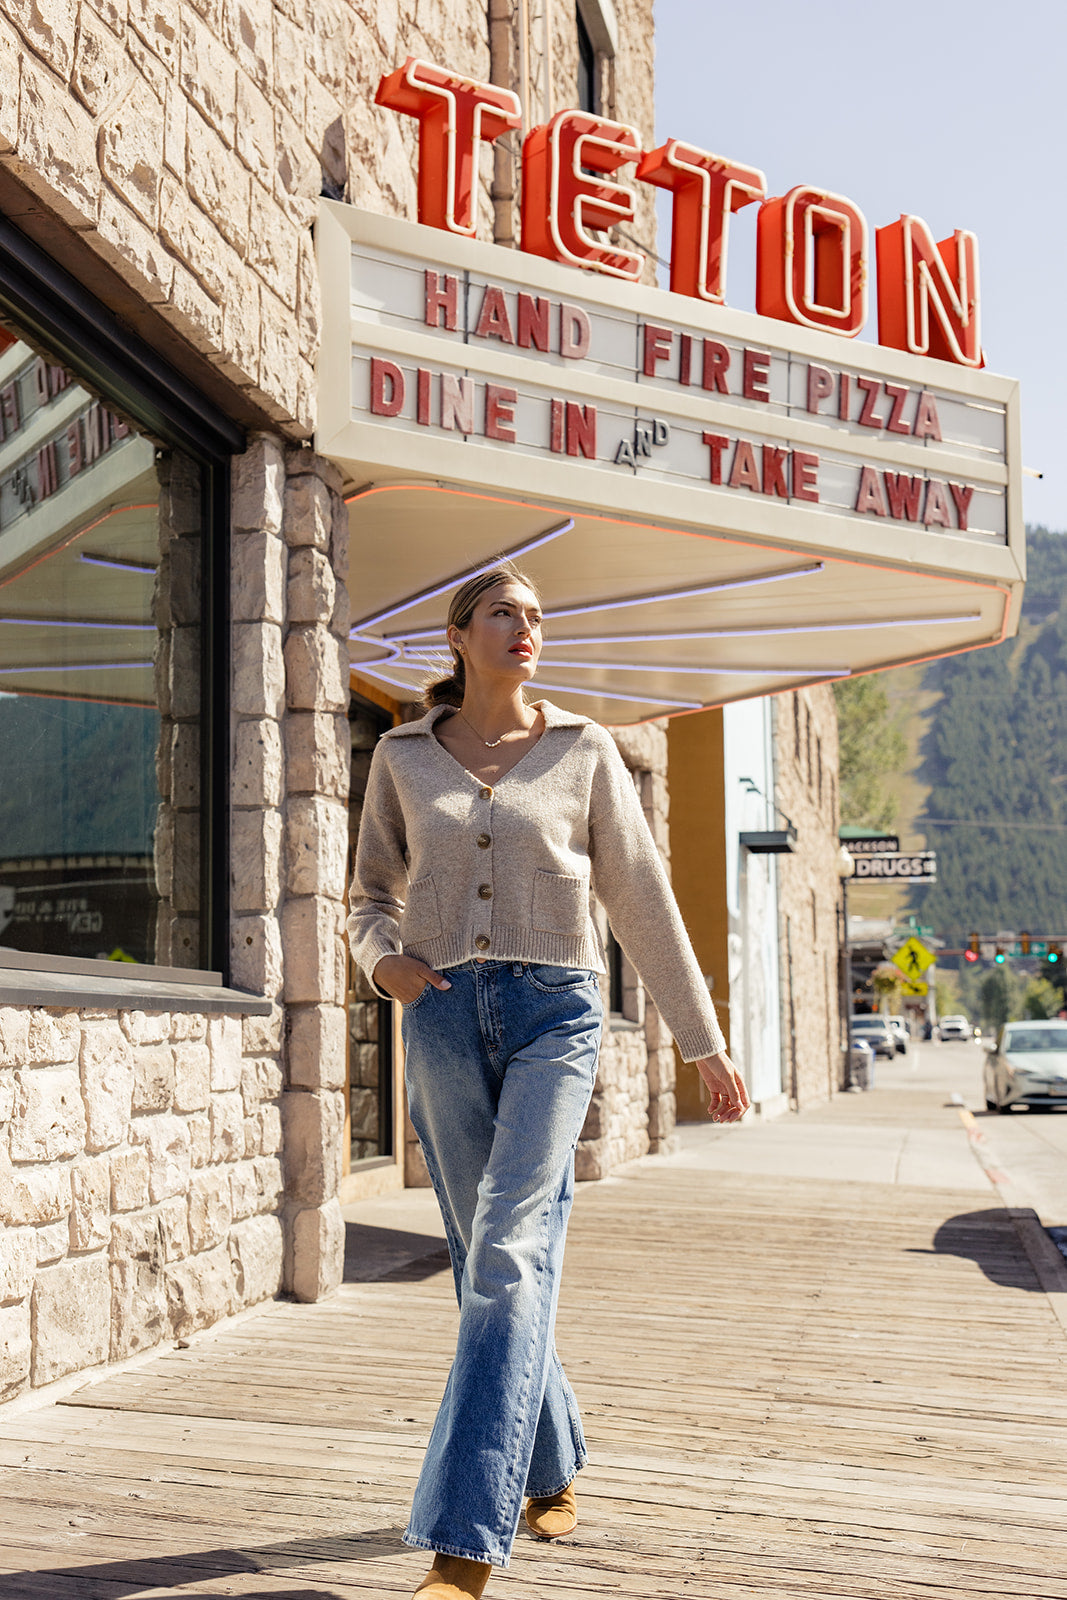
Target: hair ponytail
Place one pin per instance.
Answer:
(449, 691)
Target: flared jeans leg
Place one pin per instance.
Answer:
(500, 1069)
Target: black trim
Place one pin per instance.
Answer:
(85, 336)
(52, 308)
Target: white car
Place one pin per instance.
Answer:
(954, 1028)
(1027, 1066)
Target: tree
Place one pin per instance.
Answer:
(1042, 999)
(871, 747)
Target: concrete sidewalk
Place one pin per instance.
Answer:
(815, 1357)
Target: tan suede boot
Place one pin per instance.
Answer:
(555, 1515)
(454, 1578)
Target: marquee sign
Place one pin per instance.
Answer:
(813, 255)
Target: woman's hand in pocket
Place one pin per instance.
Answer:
(405, 978)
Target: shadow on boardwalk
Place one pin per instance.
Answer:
(793, 1388)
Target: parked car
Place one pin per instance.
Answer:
(1026, 1065)
(877, 1033)
(861, 1065)
(954, 1028)
(899, 1030)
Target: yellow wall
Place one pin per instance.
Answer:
(698, 865)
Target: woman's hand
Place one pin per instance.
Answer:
(405, 978)
(727, 1096)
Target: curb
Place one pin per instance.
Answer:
(1042, 1252)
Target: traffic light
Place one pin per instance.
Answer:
(1055, 954)
(1024, 943)
(972, 950)
(999, 956)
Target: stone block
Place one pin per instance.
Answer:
(138, 1303)
(309, 312)
(316, 670)
(590, 1161)
(99, 63)
(186, 1025)
(14, 1036)
(325, 130)
(257, 577)
(57, 145)
(71, 1317)
(244, 1189)
(49, 1118)
(227, 1127)
(257, 763)
(258, 486)
(317, 754)
(185, 885)
(52, 1038)
(107, 1084)
(255, 859)
(129, 1179)
(256, 1251)
(192, 313)
(268, 1129)
(272, 245)
(317, 1251)
(48, 26)
(173, 1221)
(279, 353)
(153, 1077)
(15, 1349)
(185, 766)
(175, 123)
(312, 1124)
(316, 846)
(52, 1242)
(290, 68)
(156, 23)
(256, 954)
(308, 513)
(258, 670)
(261, 1079)
(209, 79)
(270, 1182)
(11, 49)
(90, 1215)
(145, 1027)
(18, 1263)
(316, 1046)
(200, 1139)
(242, 335)
(312, 588)
(299, 173)
(224, 1042)
(184, 690)
(255, 129)
(192, 1076)
(131, 151)
(166, 1139)
(199, 1290)
(301, 461)
(263, 1035)
(7, 1094)
(134, 250)
(314, 952)
(210, 1208)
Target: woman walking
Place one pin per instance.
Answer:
(486, 826)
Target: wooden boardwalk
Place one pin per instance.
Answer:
(792, 1389)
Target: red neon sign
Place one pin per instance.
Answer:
(812, 246)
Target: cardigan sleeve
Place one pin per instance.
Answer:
(379, 883)
(630, 882)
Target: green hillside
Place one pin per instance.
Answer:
(984, 782)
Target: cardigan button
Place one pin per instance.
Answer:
(485, 792)
(482, 942)
(484, 841)
(485, 891)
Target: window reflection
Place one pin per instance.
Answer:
(99, 677)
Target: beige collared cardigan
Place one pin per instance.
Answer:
(449, 869)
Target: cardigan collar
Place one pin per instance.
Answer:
(555, 717)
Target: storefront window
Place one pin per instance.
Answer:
(100, 676)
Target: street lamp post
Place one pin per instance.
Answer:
(846, 867)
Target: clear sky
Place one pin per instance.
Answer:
(951, 109)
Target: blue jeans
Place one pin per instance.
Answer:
(500, 1069)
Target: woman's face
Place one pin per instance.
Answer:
(503, 637)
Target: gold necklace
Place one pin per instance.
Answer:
(490, 744)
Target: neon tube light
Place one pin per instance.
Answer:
(56, 622)
(473, 572)
(703, 672)
(143, 567)
(80, 666)
(636, 699)
(764, 631)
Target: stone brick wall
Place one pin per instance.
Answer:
(290, 821)
(809, 894)
(139, 1183)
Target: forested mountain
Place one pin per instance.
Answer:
(994, 754)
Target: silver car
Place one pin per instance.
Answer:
(1027, 1066)
(954, 1028)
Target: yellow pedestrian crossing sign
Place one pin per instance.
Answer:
(913, 989)
(913, 958)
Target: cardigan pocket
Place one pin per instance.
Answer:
(422, 917)
(560, 904)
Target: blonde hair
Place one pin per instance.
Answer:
(449, 691)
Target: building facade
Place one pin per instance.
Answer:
(260, 406)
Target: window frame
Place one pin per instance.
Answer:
(51, 308)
